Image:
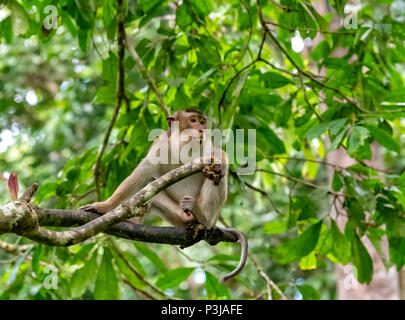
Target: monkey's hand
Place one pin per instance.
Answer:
(214, 171)
(98, 207)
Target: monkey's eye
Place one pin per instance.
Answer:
(193, 120)
(202, 122)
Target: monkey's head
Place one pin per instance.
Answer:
(191, 124)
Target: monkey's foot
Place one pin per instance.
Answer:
(214, 172)
(90, 208)
(187, 204)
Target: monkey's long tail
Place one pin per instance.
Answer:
(243, 255)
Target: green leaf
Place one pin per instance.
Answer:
(36, 258)
(106, 95)
(302, 208)
(337, 126)
(337, 141)
(274, 80)
(83, 252)
(362, 261)
(6, 30)
(308, 292)
(127, 272)
(183, 15)
(357, 145)
(383, 138)
(300, 247)
(109, 12)
(398, 95)
(397, 251)
(323, 25)
(204, 7)
(84, 37)
(215, 290)
(152, 256)
(19, 18)
(149, 5)
(308, 262)
(275, 227)
(334, 63)
(276, 145)
(83, 277)
(13, 274)
(133, 260)
(307, 241)
(172, 278)
(341, 246)
(45, 191)
(106, 287)
(401, 179)
(325, 242)
(317, 131)
(359, 168)
(110, 70)
(224, 257)
(337, 183)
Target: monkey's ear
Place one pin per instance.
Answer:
(169, 123)
(169, 120)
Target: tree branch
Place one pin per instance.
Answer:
(145, 74)
(121, 95)
(24, 219)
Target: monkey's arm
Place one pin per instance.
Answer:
(139, 178)
(212, 198)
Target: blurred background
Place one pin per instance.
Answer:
(322, 83)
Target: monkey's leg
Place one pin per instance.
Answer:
(170, 210)
(140, 177)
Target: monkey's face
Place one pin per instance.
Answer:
(196, 123)
(191, 126)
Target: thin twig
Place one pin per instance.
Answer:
(285, 8)
(306, 183)
(307, 101)
(303, 72)
(145, 74)
(309, 29)
(120, 95)
(256, 189)
(137, 274)
(138, 290)
(269, 282)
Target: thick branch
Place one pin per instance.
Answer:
(21, 218)
(130, 208)
(133, 231)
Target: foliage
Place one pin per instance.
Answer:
(233, 59)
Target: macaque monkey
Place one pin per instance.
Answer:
(197, 198)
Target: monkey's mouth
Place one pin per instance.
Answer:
(198, 139)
